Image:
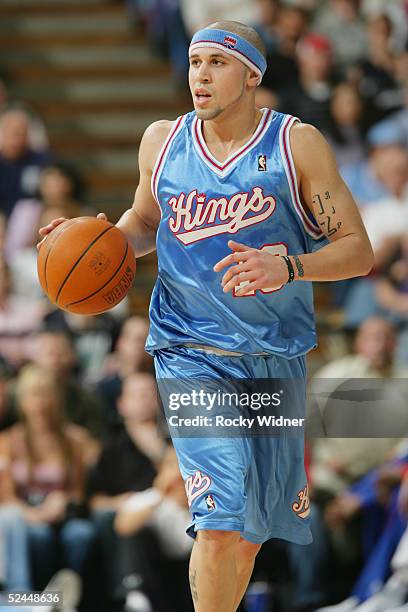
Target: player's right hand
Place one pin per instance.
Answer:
(47, 229)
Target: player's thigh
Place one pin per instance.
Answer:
(215, 472)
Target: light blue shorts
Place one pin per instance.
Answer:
(252, 484)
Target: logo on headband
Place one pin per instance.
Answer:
(230, 42)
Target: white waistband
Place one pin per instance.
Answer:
(217, 351)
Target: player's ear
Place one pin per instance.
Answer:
(252, 78)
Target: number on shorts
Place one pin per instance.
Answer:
(279, 248)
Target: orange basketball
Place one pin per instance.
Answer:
(86, 265)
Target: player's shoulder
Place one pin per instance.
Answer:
(158, 131)
(305, 135)
(309, 146)
(153, 140)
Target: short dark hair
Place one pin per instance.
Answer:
(71, 174)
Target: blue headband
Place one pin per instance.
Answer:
(233, 45)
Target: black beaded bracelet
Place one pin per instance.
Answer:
(290, 269)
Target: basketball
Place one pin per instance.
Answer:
(86, 265)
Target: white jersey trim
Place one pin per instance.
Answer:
(286, 153)
(224, 168)
(163, 154)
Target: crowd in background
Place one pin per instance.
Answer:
(88, 481)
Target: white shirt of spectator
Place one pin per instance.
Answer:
(168, 519)
(386, 218)
(197, 15)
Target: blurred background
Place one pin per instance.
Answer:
(88, 484)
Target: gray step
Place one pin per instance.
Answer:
(29, 3)
(71, 57)
(37, 26)
(109, 161)
(112, 202)
(53, 7)
(102, 125)
(137, 89)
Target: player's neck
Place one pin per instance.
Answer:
(232, 126)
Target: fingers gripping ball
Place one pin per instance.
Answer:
(86, 265)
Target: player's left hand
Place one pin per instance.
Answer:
(260, 269)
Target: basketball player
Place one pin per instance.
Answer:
(238, 307)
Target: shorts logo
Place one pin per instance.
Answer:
(209, 500)
(230, 41)
(196, 485)
(302, 506)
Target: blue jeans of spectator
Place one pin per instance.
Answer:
(112, 552)
(167, 32)
(15, 537)
(382, 530)
(308, 563)
(377, 567)
(73, 540)
(361, 303)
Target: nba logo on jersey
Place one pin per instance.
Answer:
(230, 41)
(262, 163)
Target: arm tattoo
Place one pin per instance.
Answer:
(326, 211)
(299, 266)
(193, 585)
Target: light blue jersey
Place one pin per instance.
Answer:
(252, 198)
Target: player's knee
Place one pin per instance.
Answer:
(247, 551)
(217, 542)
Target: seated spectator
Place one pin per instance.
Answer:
(129, 357)
(18, 319)
(127, 461)
(160, 507)
(397, 123)
(15, 566)
(167, 35)
(265, 22)
(60, 189)
(388, 217)
(392, 287)
(378, 86)
(23, 266)
(197, 15)
(382, 174)
(4, 94)
(395, 591)
(290, 25)
(376, 497)
(93, 338)
(162, 511)
(3, 227)
(401, 73)
(8, 414)
(346, 135)
(37, 134)
(386, 221)
(341, 22)
(44, 475)
(309, 97)
(337, 462)
(373, 354)
(54, 351)
(20, 166)
(126, 465)
(396, 11)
